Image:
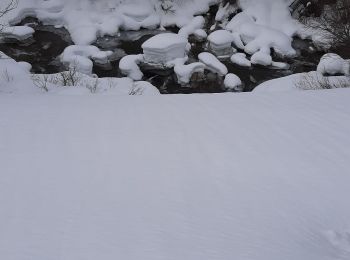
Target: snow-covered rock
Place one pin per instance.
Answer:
(200, 34)
(241, 60)
(19, 33)
(184, 71)
(232, 82)
(129, 66)
(165, 47)
(220, 42)
(212, 63)
(332, 64)
(261, 58)
(255, 34)
(80, 57)
(196, 24)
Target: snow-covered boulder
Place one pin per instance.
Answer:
(212, 63)
(184, 71)
(80, 57)
(19, 33)
(333, 64)
(163, 48)
(232, 82)
(129, 66)
(197, 23)
(261, 58)
(256, 35)
(220, 43)
(241, 60)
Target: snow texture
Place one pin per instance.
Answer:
(232, 176)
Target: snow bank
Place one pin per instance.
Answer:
(303, 81)
(14, 77)
(199, 177)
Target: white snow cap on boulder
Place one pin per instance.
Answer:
(165, 47)
(129, 66)
(241, 60)
(220, 42)
(212, 63)
(332, 64)
(79, 57)
(232, 82)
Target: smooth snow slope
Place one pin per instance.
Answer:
(244, 177)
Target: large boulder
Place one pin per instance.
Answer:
(164, 48)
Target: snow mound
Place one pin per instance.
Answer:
(129, 66)
(19, 33)
(261, 58)
(232, 82)
(241, 60)
(254, 27)
(212, 63)
(193, 27)
(79, 57)
(332, 64)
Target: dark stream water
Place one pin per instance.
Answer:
(48, 43)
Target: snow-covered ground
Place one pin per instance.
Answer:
(256, 176)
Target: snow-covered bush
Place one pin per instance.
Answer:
(6, 6)
(317, 81)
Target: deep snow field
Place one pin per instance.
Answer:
(260, 176)
(107, 168)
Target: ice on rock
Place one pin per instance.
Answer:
(241, 60)
(129, 66)
(184, 72)
(220, 42)
(333, 64)
(212, 63)
(232, 82)
(165, 47)
(79, 57)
